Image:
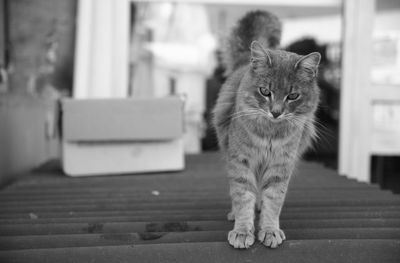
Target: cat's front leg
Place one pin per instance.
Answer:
(243, 196)
(273, 193)
(243, 202)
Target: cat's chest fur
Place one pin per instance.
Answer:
(262, 146)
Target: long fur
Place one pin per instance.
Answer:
(256, 25)
(261, 151)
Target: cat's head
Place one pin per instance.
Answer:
(283, 84)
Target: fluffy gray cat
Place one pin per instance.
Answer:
(264, 119)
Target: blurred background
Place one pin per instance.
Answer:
(119, 49)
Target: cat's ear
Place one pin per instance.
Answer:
(259, 55)
(309, 63)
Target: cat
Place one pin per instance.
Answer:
(264, 120)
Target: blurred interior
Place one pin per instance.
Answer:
(174, 49)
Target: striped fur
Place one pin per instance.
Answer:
(261, 152)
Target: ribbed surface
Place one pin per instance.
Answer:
(181, 217)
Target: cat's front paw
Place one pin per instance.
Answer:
(271, 236)
(240, 239)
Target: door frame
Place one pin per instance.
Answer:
(355, 100)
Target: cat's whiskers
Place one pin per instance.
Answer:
(245, 113)
(320, 129)
(299, 123)
(263, 111)
(322, 132)
(242, 111)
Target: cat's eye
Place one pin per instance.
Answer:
(265, 91)
(293, 96)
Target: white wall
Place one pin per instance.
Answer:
(387, 21)
(325, 29)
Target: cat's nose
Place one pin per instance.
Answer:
(276, 114)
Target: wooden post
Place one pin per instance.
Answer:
(102, 49)
(2, 32)
(3, 59)
(355, 114)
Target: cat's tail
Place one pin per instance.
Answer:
(262, 26)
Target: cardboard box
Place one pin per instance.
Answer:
(115, 136)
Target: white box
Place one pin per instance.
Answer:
(115, 136)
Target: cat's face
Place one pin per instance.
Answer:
(283, 85)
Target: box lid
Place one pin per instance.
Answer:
(122, 119)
